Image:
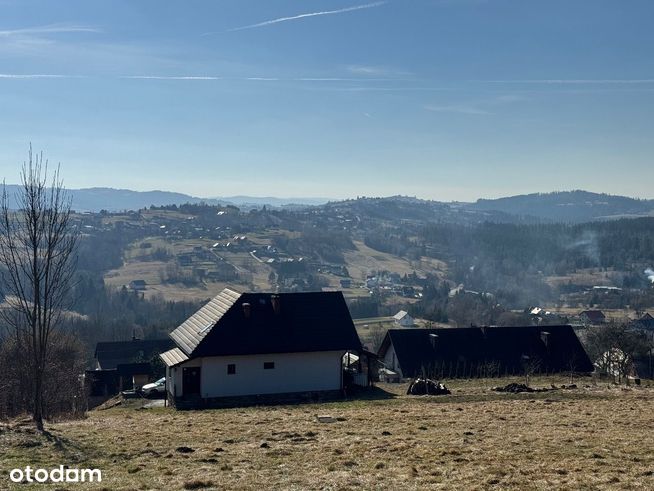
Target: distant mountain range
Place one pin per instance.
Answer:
(110, 199)
(251, 201)
(566, 206)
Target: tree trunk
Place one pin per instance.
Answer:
(37, 415)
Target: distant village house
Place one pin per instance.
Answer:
(592, 317)
(137, 285)
(402, 318)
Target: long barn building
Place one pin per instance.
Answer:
(483, 351)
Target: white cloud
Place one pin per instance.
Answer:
(478, 108)
(311, 14)
(457, 108)
(366, 70)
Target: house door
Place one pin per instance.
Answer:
(191, 381)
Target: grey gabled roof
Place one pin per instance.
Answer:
(173, 357)
(189, 335)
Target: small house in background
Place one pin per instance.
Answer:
(137, 285)
(245, 348)
(592, 317)
(645, 323)
(483, 351)
(123, 365)
(402, 318)
(108, 355)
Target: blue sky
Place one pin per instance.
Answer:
(442, 99)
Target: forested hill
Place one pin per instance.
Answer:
(559, 207)
(568, 206)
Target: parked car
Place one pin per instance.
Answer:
(155, 388)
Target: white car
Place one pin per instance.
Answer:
(154, 388)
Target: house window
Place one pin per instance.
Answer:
(268, 365)
(231, 369)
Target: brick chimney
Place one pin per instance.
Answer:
(246, 310)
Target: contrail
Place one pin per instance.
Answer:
(312, 14)
(50, 29)
(175, 77)
(574, 81)
(36, 75)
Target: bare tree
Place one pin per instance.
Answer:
(38, 251)
(377, 334)
(614, 346)
(530, 366)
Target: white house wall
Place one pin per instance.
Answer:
(293, 372)
(390, 360)
(174, 376)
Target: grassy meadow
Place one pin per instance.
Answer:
(593, 437)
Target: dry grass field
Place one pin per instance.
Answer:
(364, 260)
(594, 437)
(587, 277)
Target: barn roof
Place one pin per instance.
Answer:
(400, 315)
(258, 323)
(432, 349)
(113, 353)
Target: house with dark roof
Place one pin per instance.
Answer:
(122, 365)
(260, 347)
(645, 323)
(137, 285)
(483, 351)
(108, 355)
(592, 317)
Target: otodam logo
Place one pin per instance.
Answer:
(61, 474)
